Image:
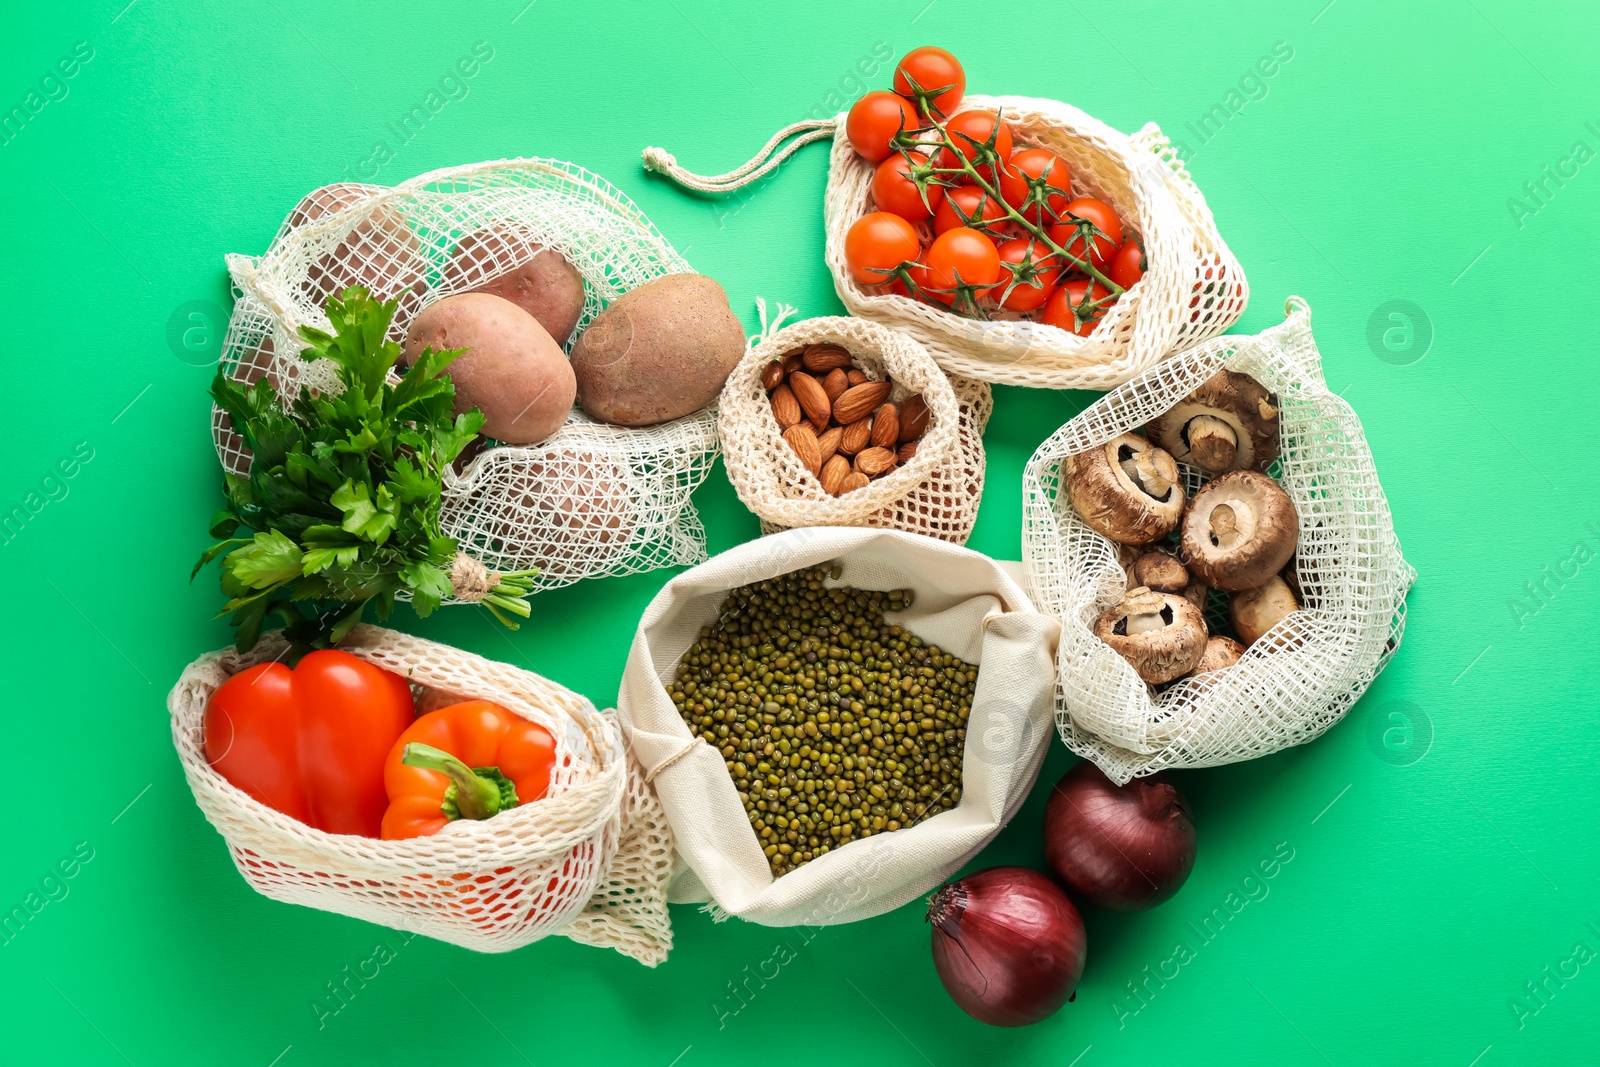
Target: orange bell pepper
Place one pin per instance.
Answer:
(310, 742)
(467, 761)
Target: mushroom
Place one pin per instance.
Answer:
(1291, 574)
(1228, 423)
(1126, 490)
(1220, 652)
(1239, 531)
(1161, 634)
(1162, 571)
(1255, 611)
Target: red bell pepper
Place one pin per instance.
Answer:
(310, 742)
(467, 761)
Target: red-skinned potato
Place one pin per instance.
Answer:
(512, 371)
(380, 252)
(509, 262)
(660, 352)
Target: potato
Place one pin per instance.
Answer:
(380, 252)
(565, 514)
(508, 262)
(660, 352)
(512, 370)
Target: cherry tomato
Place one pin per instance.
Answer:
(967, 205)
(874, 120)
(932, 69)
(969, 132)
(877, 243)
(894, 191)
(1026, 168)
(1127, 263)
(961, 257)
(1104, 217)
(1035, 270)
(1069, 309)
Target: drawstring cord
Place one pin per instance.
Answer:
(665, 163)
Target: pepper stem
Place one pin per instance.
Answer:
(474, 792)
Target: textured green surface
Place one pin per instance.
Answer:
(1431, 879)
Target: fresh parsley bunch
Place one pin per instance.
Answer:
(344, 490)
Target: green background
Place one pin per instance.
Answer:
(1443, 836)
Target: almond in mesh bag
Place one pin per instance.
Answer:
(589, 860)
(593, 499)
(965, 603)
(1193, 287)
(935, 477)
(1303, 674)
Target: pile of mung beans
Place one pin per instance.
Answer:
(835, 724)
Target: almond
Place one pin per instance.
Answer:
(804, 444)
(772, 375)
(856, 376)
(791, 361)
(834, 473)
(785, 408)
(828, 442)
(856, 436)
(818, 428)
(826, 357)
(906, 451)
(813, 401)
(913, 418)
(886, 427)
(875, 461)
(853, 481)
(835, 384)
(859, 401)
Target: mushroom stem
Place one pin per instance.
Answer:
(1213, 445)
(1224, 523)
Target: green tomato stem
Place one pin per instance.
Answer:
(1014, 215)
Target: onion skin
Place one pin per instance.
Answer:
(1008, 945)
(1124, 848)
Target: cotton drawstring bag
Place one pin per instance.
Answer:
(936, 493)
(1193, 287)
(593, 500)
(1302, 676)
(967, 604)
(589, 860)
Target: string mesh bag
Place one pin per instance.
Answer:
(1299, 678)
(589, 860)
(593, 499)
(1193, 287)
(964, 602)
(936, 493)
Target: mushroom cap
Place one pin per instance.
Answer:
(1240, 530)
(1161, 634)
(1220, 652)
(1158, 570)
(1125, 490)
(1242, 433)
(1255, 611)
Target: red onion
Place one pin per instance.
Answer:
(1127, 847)
(1007, 944)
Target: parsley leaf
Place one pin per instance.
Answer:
(343, 496)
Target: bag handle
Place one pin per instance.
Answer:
(809, 130)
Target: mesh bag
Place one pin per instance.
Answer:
(593, 499)
(1193, 288)
(936, 493)
(590, 860)
(1303, 675)
(967, 604)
